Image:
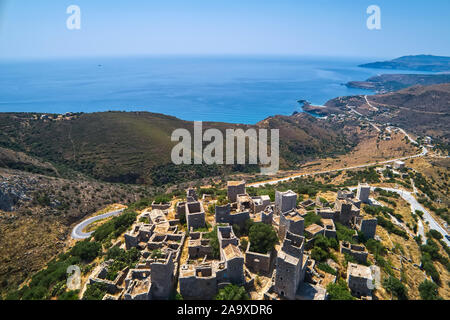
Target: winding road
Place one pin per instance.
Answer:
(77, 232)
(406, 195)
(296, 176)
(427, 217)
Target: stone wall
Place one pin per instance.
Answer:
(258, 262)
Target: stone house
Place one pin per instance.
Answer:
(290, 266)
(367, 226)
(358, 252)
(225, 214)
(234, 188)
(360, 279)
(291, 221)
(195, 215)
(285, 201)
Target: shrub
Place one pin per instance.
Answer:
(95, 291)
(429, 291)
(232, 292)
(214, 242)
(435, 234)
(375, 247)
(312, 218)
(86, 251)
(344, 234)
(262, 238)
(69, 295)
(339, 291)
(319, 254)
(244, 244)
(396, 287)
(325, 267)
(115, 226)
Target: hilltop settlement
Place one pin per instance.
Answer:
(248, 239)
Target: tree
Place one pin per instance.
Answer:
(262, 238)
(69, 295)
(95, 291)
(339, 291)
(232, 292)
(436, 234)
(396, 287)
(319, 254)
(429, 291)
(86, 250)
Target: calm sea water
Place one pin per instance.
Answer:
(228, 89)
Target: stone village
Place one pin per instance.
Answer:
(172, 259)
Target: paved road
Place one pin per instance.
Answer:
(77, 232)
(370, 105)
(296, 176)
(427, 217)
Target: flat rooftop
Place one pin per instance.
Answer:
(360, 271)
(231, 252)
(314, 228)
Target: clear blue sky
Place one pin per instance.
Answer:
(37, 29)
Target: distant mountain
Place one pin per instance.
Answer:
(392, 82)
(418, 63)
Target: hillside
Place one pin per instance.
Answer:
(424, 110)
(135, 147)
(37, 213)
(392, 82)
(418, 63)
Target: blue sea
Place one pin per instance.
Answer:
(227, 89)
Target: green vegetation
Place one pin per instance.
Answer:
(386, 200)
(222, 200)
(70, 295)
(162, 199)
(214, 242)
(51, 282)
(243, 245)
(422, 184)
(429, 291)
(390, 227)
(95, 291)
(388, 194)
(339, 291)
(325, 267)
(375, 247)
(116, 226)
(312, 218)
(368, 175)
(344, 234)
(122, 259)
(262, 238)
(434, 234)
(232, 292)
(376, 210)
(321, 250)
(145, 220)
(86, 250)
(430, 253)
(396, 287)
(244, 230)
(157, 254)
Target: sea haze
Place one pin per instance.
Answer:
(226, 89)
